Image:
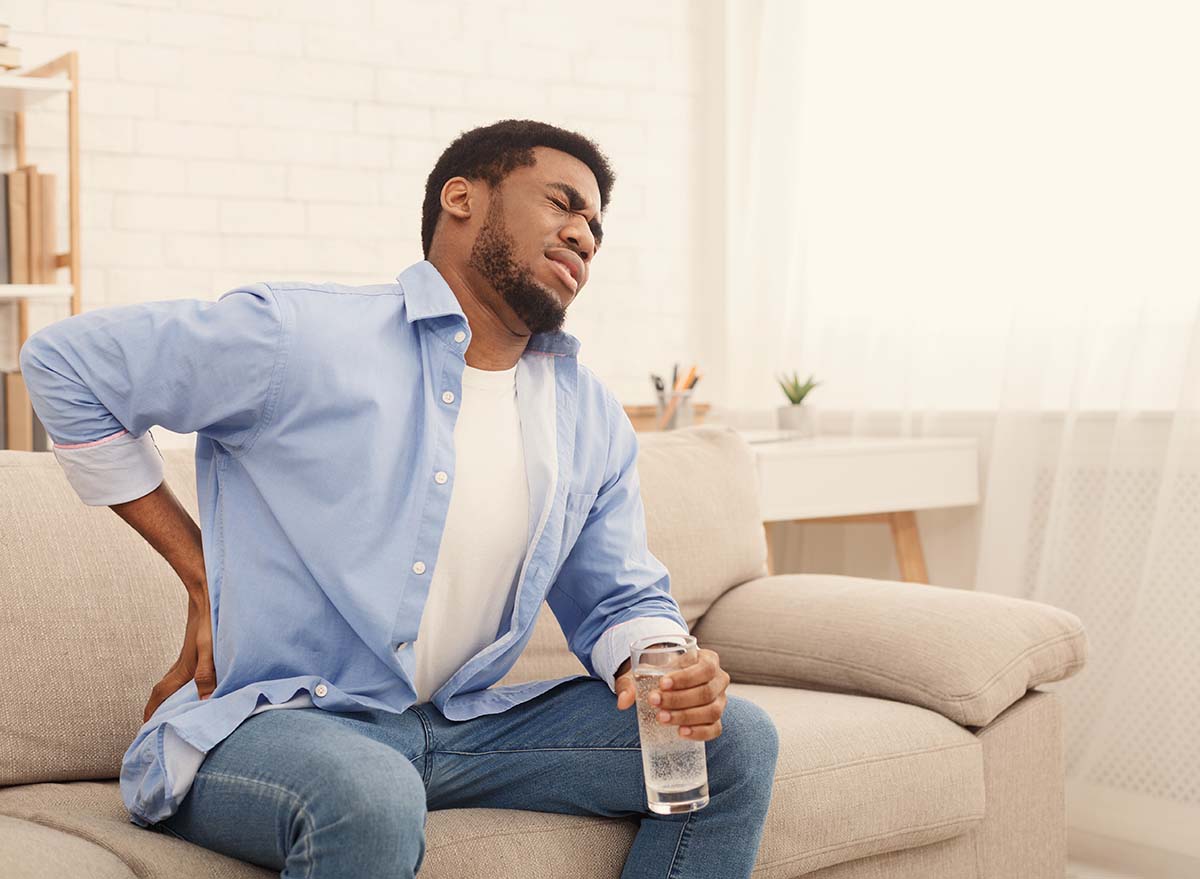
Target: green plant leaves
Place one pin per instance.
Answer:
(795, 390)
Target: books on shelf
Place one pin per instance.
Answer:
(27, 256)
(27, 227)
(4, 253)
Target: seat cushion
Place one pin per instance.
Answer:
(859, 775)
(460, 843)
(856, 776)
(29, 850)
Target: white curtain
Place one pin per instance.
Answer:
(955, 207)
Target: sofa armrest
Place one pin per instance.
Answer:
(966, 655)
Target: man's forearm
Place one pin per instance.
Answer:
(166, 525)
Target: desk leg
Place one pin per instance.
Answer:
(908, 547)
(770, 563)
(905, 538)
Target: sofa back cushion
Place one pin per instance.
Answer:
(699, 488)
(92, 617)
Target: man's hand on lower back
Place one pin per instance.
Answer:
(195, 658)
(161, 519)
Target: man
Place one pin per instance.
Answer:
(391, 480)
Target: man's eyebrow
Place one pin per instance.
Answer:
(576, 202)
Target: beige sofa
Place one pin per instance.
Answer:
(914, 739)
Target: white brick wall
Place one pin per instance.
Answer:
(227, 141)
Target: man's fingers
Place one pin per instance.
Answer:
(695, 716)
(706, 666)
(705, 733)
(172, 681)
(206, 681)
(626, 692)
(195, 660)
(206, 672)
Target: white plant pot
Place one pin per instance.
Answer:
(797, 417)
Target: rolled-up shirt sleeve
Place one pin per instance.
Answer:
(100, 380)
(616, 644)
(611, 589)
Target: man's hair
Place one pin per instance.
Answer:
(491, 152)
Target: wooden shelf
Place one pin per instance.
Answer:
(19, 91)
(13, 292)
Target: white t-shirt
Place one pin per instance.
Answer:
(486, 535)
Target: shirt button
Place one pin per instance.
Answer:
(321, 690)
(440, 477)
(459, 336)
(447, 396)
(418, 567)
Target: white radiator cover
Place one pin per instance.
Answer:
(1118, 499)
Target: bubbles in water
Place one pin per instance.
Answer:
(671, 763)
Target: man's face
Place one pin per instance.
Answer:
(541, 231)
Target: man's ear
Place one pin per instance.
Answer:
(458, 197)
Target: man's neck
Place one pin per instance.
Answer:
(493, 345)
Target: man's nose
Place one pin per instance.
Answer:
(585, 247)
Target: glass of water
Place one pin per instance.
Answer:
(676, 768)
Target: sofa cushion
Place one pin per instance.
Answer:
(460, 843)
(700, 491)
(964, 654)
(98, 617)
(29, 850)
(93, 811)
(856, 776)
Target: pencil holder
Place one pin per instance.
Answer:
(674, 410)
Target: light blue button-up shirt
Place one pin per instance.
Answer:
(322, 413)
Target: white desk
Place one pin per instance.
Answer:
(865, 479)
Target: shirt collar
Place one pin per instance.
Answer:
(426, 294)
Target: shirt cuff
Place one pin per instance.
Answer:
(613, 647)
(113, 470)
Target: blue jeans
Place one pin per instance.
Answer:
(327, 795)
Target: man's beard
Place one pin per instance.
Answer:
(492, 256)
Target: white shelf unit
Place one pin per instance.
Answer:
(20, 90)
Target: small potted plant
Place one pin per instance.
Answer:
(794, 416)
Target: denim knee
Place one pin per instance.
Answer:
(751, 743)
(382, 809)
